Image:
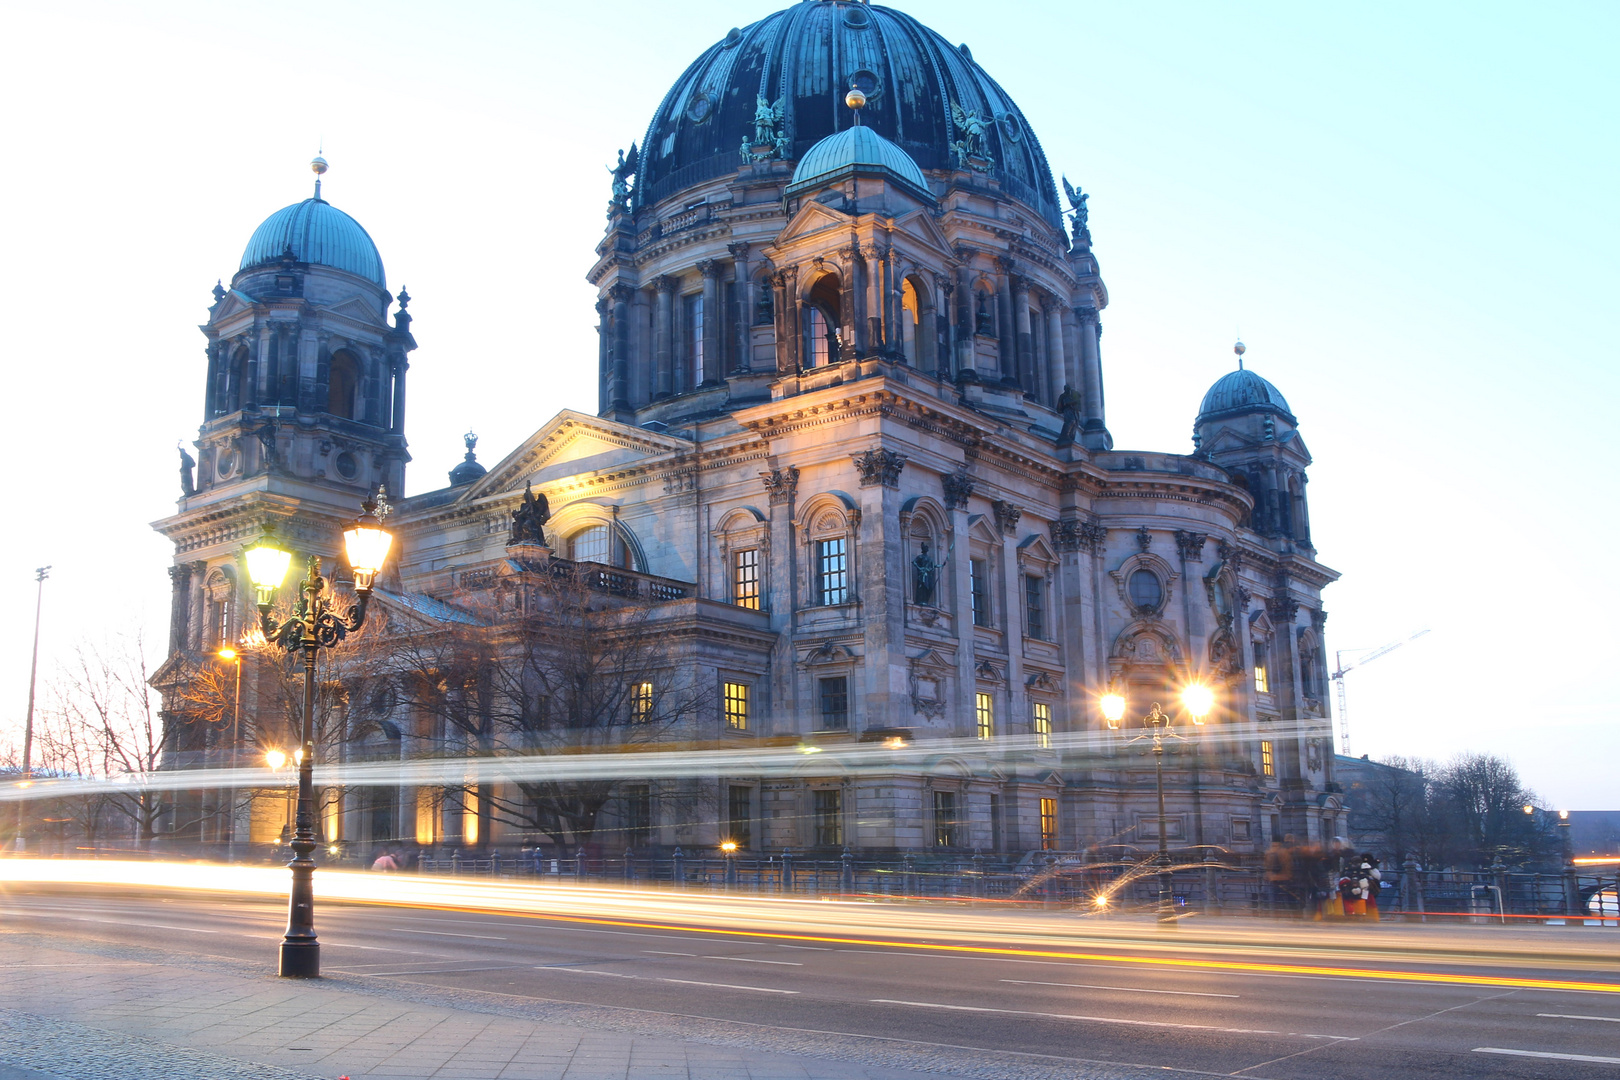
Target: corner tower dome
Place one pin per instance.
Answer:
(924, 95)
(1242, 391)
(316, 232)
(857, 151)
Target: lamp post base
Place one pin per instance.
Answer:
(300, 960)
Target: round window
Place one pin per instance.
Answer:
(1146, 592)
(699, 107)
(347, 465)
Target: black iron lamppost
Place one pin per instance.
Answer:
(314, 625)
(1197, 699)
(230, 656)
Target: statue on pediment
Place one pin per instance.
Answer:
(529, 519)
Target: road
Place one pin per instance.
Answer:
(1240, 997)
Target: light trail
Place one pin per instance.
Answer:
(801, 757)
(672, 913)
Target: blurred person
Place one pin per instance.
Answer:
(386, 863)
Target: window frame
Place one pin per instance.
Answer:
(820, 591)
(981, 590)
(1035, 607)
(744, 836)
(827, 816)
(945, 826)
(984, 714)
(643, 702)
(1040, 723)
(822, 697)
(733, 694)
(1268, 759)
(1048, 810)
(1262, 666)
(747, 591)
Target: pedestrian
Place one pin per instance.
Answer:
(386, 862)
(1372, 882)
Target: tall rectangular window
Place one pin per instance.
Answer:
(834, 703)
(1035, 606)
(641, 703)
(638, 815)
(745, 578)
(1049, 828)
(739, 815)
(1261, 682)
(1268, 759)
(944, 819)
(984, 715)
(694, 336)
(832, 571)
(736, 705)
(829, 817)
(1041, 724)
(979, 586)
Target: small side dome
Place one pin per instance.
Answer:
(857, 151)
(1242, 391)
(469, 469)
(318, 233)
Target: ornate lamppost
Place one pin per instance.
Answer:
(314, 625)
(1197, 699)
(229, 655)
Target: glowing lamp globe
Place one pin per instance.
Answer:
(275, 759)
(1113, 709)
(267, 567)
(226, 653)
(1199, 700)
(367, 544)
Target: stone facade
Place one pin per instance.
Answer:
(855, 432)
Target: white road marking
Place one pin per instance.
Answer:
(807, 948)
(1543, 1054)
(681, 982)
(661, 952)
(746, 960)
(1113, 1020)
(1124, 989)
(1567, 1016)
(443, 933)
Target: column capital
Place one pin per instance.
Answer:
(664, 283)
(709, 268)
(739, 250)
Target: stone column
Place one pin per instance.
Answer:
(878, 326)
(785, 287)
(958, 490)
(399, 365)
(180, 606)
(941, 332)
(963, 341)
(1028, 376)
(781, 597)
(881, 583)
(1091, 372)
(1054, 352)
(850, 332)
(604, 358)
(1006, 323)
(743, 286)
(710, 269)
(664, 337)
(619, 347)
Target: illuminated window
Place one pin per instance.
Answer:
(944, 819)
(1145, 590)
(1041, 724)
(979, 585)
(832, 571)
(819, 337)
(745, 579)
(1034, 606)
(641, 703)
(834, 703)
(829, 816)
(736, 702)
(1268, 760)
(1261, 683)
(1049, 832)
(984, 715)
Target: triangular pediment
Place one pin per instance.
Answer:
(573, 444)
(232, 303)
(920, 227)
(357, 309)
(811, 220)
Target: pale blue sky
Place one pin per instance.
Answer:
(1407, 210)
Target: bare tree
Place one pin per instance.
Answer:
(560, 660)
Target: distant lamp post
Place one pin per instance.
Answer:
(230, 656)
(729, 849)
(1197, 700)
(313, 626)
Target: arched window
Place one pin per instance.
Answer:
(910, 316)
(236, 392)
(821, 322)
(597, 544)
(1146, 591)
(343, 385)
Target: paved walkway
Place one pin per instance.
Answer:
(74, 1009)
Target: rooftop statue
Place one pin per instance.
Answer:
(971, 152)
(529, 519)
(622, 172)
(770, 135)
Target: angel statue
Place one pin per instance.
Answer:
(1078, 208)
(971, 152)
(622, 172)
(770, 134)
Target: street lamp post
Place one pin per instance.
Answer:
(19, 844)
(314, 625)
(1197, 700)
(230, 655)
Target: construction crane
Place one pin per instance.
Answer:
(1338, 677)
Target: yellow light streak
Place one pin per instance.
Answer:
(520, 901)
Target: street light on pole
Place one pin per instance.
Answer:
(313, 626)
(1197, 699)
(230, 655)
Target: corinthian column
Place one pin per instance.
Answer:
(619, 346)
(1054, 350)
(664, 336)
(745, 307)
(711, 324)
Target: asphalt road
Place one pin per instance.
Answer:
(1266, 1000)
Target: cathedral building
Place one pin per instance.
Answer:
(851, 441)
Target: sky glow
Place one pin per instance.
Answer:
(1405, 211)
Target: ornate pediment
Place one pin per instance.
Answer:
(812, 220)
(574, 444)
(360, 311)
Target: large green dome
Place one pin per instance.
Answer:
(318, 233)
